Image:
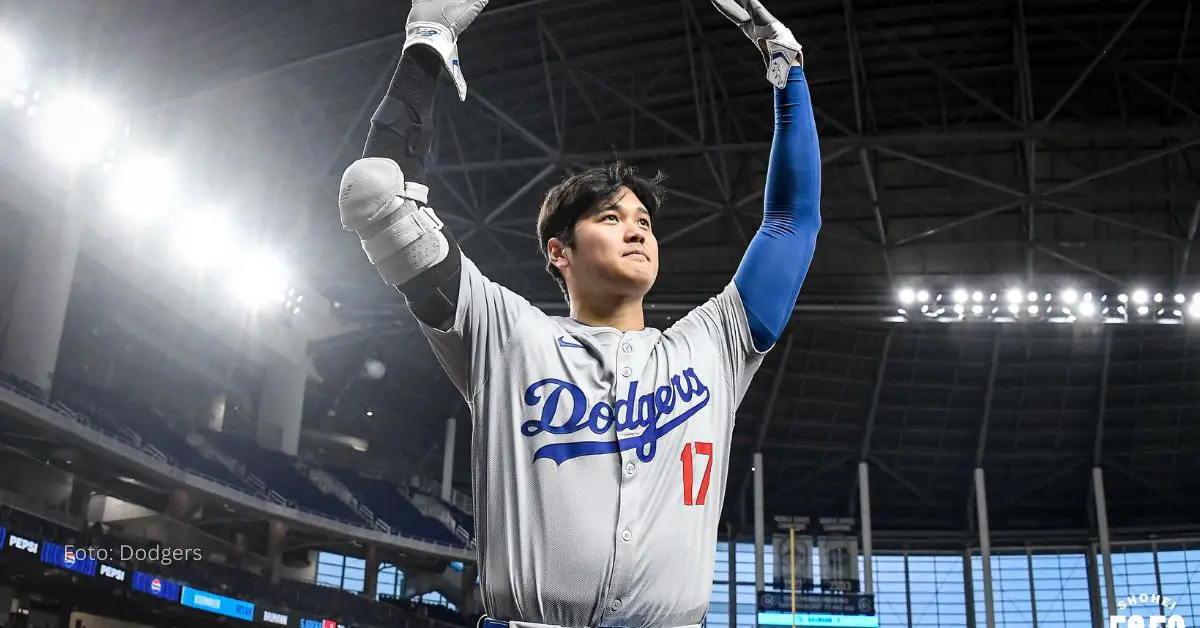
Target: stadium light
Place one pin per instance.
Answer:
(204, 239)
(142, 187)
(76, 128)
(1032, 304)
(258, 279)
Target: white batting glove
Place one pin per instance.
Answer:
(777, 44)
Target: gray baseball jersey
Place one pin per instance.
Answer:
(599, 457)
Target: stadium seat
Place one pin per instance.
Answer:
(392, 506)
(110, 412)
(279, 471)
(464, 519)
(22, 386)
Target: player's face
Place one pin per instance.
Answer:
(615, 251)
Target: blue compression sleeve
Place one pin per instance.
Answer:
(777, 260)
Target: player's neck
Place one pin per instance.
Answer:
(620, 313)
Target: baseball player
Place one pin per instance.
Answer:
(600, 447)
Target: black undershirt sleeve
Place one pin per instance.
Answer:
(402, 130)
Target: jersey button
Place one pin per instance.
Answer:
(626, 535)
(629, 469)
(626, 372)
(627, 348)
(616, 605)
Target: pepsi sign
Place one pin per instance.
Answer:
(57, 555)
(23, 544)
(108, 571)
(157, 586)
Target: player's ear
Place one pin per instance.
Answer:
(556, 253)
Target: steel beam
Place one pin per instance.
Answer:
(1047, 480)
(372, 100)
(968, 572)
(759, 524)
(1032, 587)
(574, 80)
(1102, 399)
(1080, 265)
(979, 215)
(691, 55)
(1190, 135)
(876, 211)
(706, 48)
(1095, 61)
(854, 51)
(1113, 221)
(1021, 44)
(642, 109)
(943, 73)
(516, 196)
(1149, 485)
(951, 171)
(1183, 33)
(724, 183)
(769, 410)
(515, 126)
(394, 39)
(1181, 274)
(692, 226)
(985, 547)
(1171, 150)
(880, 376)
(830, 465)
(989, 391)
(474, 205)
(869, 427)
(906, 483)
(559, 121)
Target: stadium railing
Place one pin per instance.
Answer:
(357, 530)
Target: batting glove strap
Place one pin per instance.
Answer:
(399, 235)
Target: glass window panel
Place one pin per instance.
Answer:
(1179, 569)
(891, 605)
(1060, 590)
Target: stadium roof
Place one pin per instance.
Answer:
(981, 145)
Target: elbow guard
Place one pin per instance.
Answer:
(402, 237)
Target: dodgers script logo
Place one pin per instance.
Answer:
(676, 402)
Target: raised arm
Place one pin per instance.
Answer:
(776, 262)
(384, 198)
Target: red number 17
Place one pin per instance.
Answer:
(695, 498)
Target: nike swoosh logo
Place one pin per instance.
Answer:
(563, 342)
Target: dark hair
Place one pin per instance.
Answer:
(568, 201)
